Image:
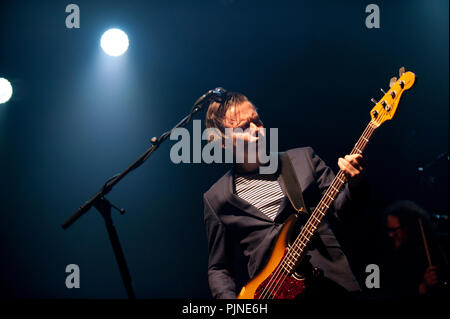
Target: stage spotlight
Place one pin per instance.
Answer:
(5, 90)
(114, 42)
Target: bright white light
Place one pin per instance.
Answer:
(114, 42)
(5, 90)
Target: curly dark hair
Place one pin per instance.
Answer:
(409, 213)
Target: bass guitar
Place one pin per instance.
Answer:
(281, 278)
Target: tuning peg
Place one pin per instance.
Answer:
(401, 71)
(392, 81)
(374, 101)
(382, 91)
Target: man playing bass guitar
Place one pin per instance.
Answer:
(244, 210)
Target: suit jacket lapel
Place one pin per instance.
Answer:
(284, 201)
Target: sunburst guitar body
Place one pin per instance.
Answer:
(289, 286)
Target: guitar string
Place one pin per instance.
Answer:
(289, 259)
(358, 145)
(294, 248)
(334, 187)
(313, 224)
(274, 289)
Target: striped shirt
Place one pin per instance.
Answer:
(262, 191)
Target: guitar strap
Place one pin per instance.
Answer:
(292, 186)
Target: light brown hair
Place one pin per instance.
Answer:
(217, 109)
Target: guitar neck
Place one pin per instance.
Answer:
(297, 248)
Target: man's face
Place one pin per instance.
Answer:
(396, 231)
(246, 125)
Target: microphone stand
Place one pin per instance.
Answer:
(104, 206)
(433, 162)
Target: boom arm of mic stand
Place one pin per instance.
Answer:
(107, 187)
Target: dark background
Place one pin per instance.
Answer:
(78, 116)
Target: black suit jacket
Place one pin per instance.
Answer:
(236, 228)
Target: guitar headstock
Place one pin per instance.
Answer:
(385, 109)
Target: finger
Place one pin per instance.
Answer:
(357, 157)
(356, 160)
(342, 167)
(347, 168)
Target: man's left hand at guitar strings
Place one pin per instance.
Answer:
(352, 167)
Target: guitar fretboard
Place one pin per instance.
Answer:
(298, 247)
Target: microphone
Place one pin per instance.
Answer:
(218, 92)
